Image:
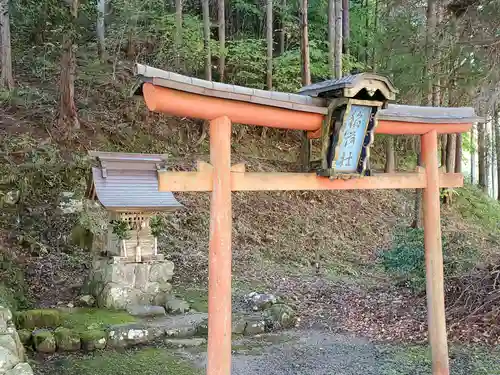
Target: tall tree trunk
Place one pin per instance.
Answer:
(282, 35)
(269, 38)
(450, 153)
(367, 30)
(178, 33)
(496, 127)
(390, 160)
(331, 37)
(206, 39)
(305, 144)
(431, 28)
(6, 77)
(458, 153)
(487, 157)
(472, 156)
(429, 49)
(444, 141)
(68, 118)
(375, 28)
(304, 44)
(100, 29)
(481, 157)
(221, 18)
(338, 38)
(345, 25)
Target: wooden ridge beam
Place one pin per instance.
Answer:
(259, 181)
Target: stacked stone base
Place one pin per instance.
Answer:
(117, 284)
(12, 356)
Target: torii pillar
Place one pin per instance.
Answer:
(221, 179)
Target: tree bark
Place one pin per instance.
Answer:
(100, 29)
(331, 37)
(281, 47)
(338, 38)
(178, 33)
(375, 28)
(429, 48)
(304, 45)
(444, 141)
(345, 25)
(458, 153)
(496, 128)
(390, 160)
(305, 143)
(481, 156)
(431, 27)
(68, 118)
(472, 155)
(450, 153)
(6, 77)
(221, 18)
(206, 40)
(269, 38)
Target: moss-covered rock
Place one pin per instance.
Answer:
(67, 340)
(44, 341)
(40, 318)
(25, 336)
(92, 340)
(280, 316)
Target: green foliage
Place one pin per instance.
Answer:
(13, 288)
(94, 218)
(148, 361)
(246, 62)
(406, 260)
(121, 229)
(477, 207)
(157, 225)
(416, 360)
(85, 319)
(40, 318)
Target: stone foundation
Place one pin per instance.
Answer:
(117, 284)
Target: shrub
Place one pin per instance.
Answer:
(406, 261)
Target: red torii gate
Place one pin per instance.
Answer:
(221, 104)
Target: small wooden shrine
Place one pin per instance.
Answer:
(127, 186)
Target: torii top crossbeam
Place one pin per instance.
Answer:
(340, 112)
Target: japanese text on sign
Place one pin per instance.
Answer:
(351, 139)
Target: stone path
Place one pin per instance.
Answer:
(301, 352)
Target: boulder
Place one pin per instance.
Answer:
(86, 301)
(255, 326)
(12, 197)
(260, 301)
(238, 324)
(202, 328)
(25, 336)
(280, 316)
(185, 343)
(176, 305)
(93, 340)
(41, 318)
(8, 360)
(44, 341)
(8, 342)
(146, 310)
(181, 332)
(126, 335)
(161, 272)
(20, 369)
(67, 340)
